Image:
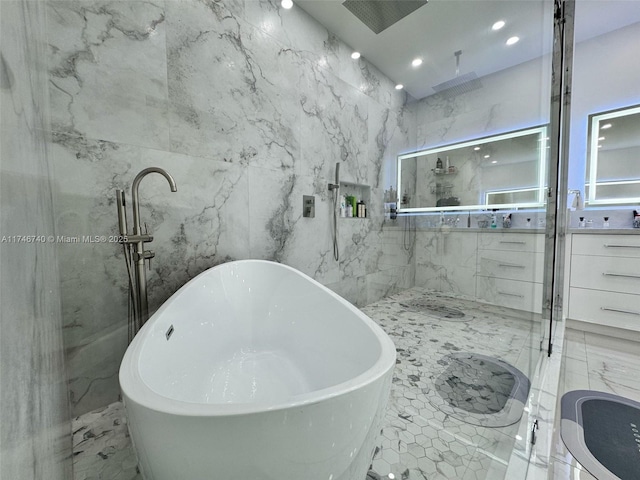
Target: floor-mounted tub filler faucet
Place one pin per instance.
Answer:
(135, 254)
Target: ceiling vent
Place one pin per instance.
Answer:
(379, 15)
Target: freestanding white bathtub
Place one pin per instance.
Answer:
(254, 371)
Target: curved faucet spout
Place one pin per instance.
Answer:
(134, 193)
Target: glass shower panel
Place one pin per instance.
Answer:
(480, 272)
(602, 284)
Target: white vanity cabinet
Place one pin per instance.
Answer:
(604, 283)
(510, 269)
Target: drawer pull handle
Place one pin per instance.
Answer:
(514, 242)
(627, 275)
(630, 312)
(609, 245)
(510, 294)
(510, 265)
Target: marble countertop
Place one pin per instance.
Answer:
(605, 231)
(400, 226)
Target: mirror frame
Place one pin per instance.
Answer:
(542, 131)
(592, 156)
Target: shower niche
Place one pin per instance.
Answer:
(360, 193)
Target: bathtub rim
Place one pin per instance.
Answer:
(134, 388)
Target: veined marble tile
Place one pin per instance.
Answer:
(295, 29)
(34, 415)
(102, 446)
(232, 95)
(204, 223)
(389, 134)
(334, 125)
(98, 92)
(278, 230)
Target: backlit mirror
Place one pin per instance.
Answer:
(613, 167)
(504, 171)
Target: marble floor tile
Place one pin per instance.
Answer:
(419, 440)
(102, 447)
(595, 362)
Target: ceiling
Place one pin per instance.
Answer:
(436, 30)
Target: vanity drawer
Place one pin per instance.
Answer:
(606, 273)
(525, 296)
(620, 310)
(513, 242)
(606, 245)
(526, 266)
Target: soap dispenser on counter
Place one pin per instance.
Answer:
(494, 220)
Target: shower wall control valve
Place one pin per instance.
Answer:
(308, 206)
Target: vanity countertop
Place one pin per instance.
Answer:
(448, 229)
(606, 231)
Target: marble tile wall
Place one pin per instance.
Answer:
(494, 108)
(35, 426)
(249, 107)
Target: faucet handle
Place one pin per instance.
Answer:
(148, 255)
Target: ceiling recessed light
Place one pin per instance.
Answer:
(494, 161)
(399, 86)
(487, 156)
(599, 146)
(605, 126)
(513, 40)
(498, 25)
(287, 4)
(600, 138)
(355, 55)
(416, 62)
(476, 148)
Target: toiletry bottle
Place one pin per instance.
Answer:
(343, 206)
(605, 224)
(636, 219)
(439, 165)
(354, 206)
(469, 220)
(447, 165)
(494, 220)
(581, 223)
(364, 210)
(528, 223)
(589, 223)
(441, 218)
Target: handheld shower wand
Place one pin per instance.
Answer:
(336, 186)
(333, 187)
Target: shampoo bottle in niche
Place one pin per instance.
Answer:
(343, 206)
(636, 219)
(438, 165)
(494, 220)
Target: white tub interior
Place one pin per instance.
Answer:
(254, 332)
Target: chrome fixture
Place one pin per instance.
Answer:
(138, 301)
(334, 187)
